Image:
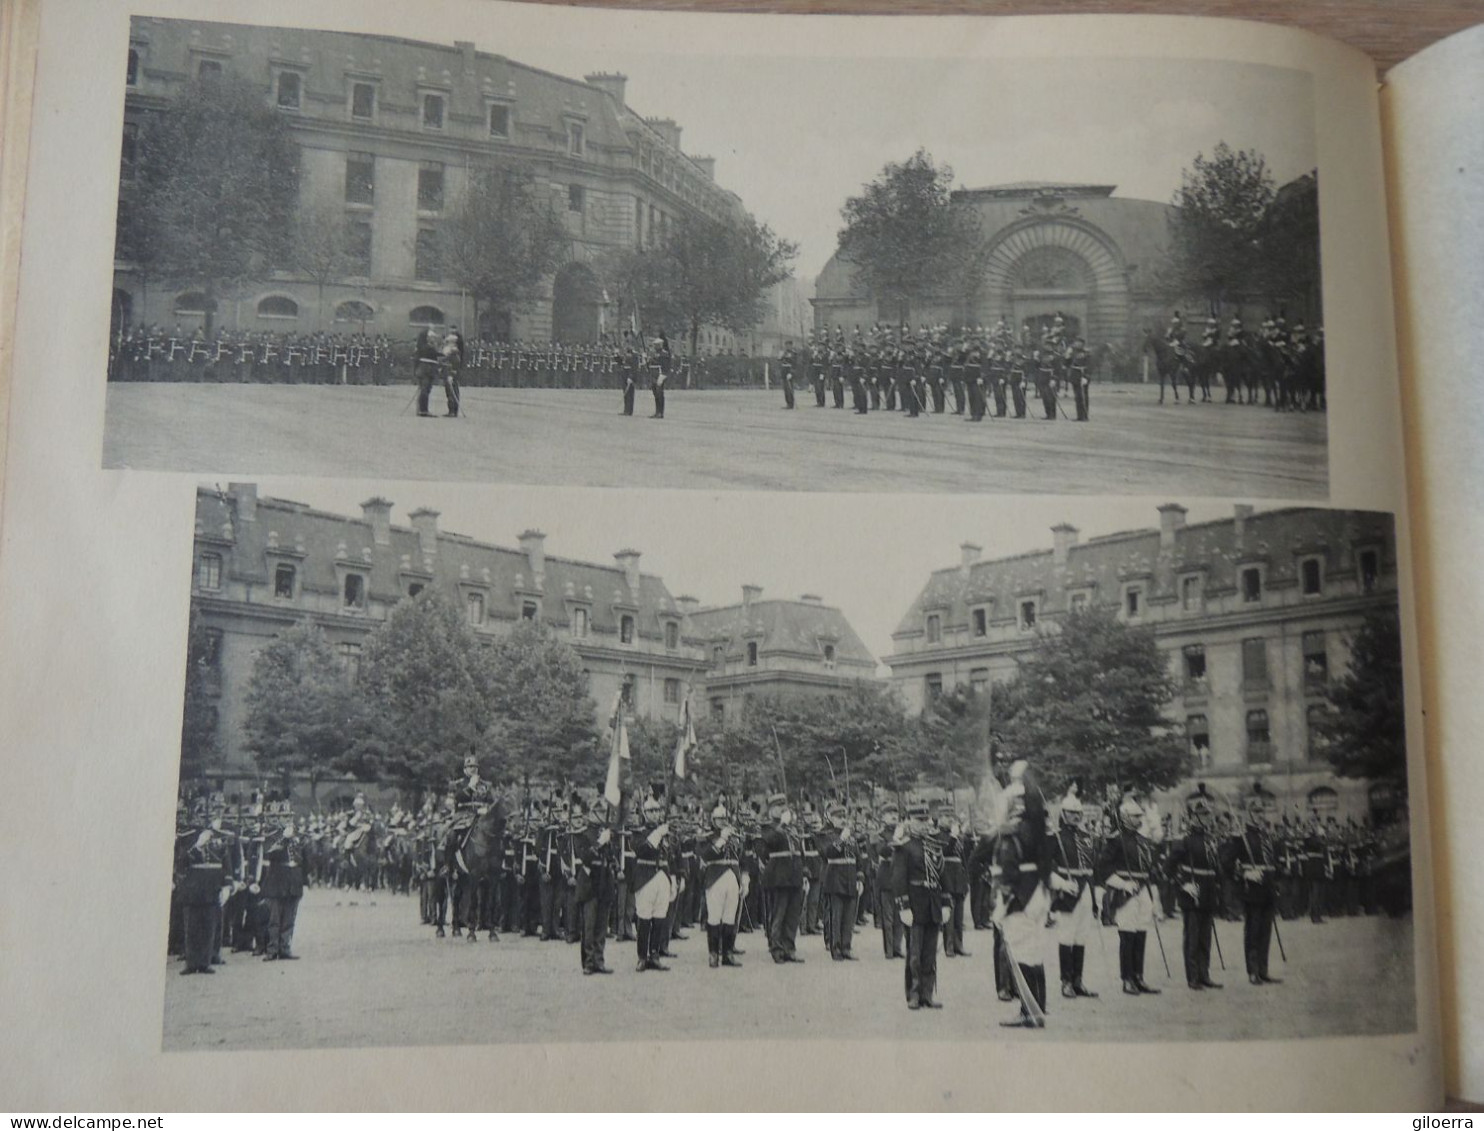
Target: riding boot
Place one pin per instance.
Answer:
(729, 946)
(1068, 971)
(1141, 940)
(1038, 986)
(643, 945)
(713, 946)
(658, 932)
(1126, 962)
(1079, 959)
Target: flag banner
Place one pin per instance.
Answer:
(618, 753)
(687, 740)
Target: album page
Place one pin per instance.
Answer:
(888, 577)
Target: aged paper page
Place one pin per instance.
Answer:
(1435, 155)
(97, 566)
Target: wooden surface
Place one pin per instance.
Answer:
(1388, 30)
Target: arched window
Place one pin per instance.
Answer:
(354, 311)
(194, 302)
(425, 316)
(278, 306)
(1324, 801)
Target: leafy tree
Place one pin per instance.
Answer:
(426, 685)
(301, 710)
(1289, 239)
(908, 239)
(502, 237)
(198, 730)
(1363, 733)
(954, 740)
(322, 245)
(1087, 704)
(216, 180)
(542, 715)
(1218, 221)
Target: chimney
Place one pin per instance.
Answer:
(750, 593)
(612, 85)
(812, 599)
(668, 130)
(533, 544)
(425, 522)
(970, 554)
(378, 513)
(1171, 522)
(246, 495)
(707, 165)
(628, 561)
(1063, 538)
(1240, 514)
(466, 49)
(687, 605)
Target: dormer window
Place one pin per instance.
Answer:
(499, 119)
(209, 572)
(979, 620)
(131, 75)
(1311, 576)
(1133, 601)
(363, 101)
(288, 90)
(353, 593)
(579, 623)
(934, 628)
(1251, 584)
(474, 603)
(284, 578)
(529, 610)
(829, 655)
(626, 629)
(1192, 592)
(672, 636)
(432, 114)
(752, 653)
(576, 139)
(1026, 614)
(1370, 570)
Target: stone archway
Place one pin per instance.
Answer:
(576, 302)
(1048, 264)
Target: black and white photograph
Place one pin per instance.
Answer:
(517, 260)
(1135, 776)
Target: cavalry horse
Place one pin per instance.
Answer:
(360, 857)
(474, 859)
(1170, 365)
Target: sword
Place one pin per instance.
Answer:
(1277, 934)
(1217, 939)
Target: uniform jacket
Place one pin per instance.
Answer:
(915, 879)
(955, 872)
(1254, 847)
(284, 878)
(1020, 872)
(649, 860)
(1198, 859)
(843, 866)
(1074, 857)
(783, 861)
(594, 864)
(717, 862)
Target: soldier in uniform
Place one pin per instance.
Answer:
(888, 918)
(1074, 855)
(1254, 863)
(1023, 898)
(916, 889)
(201, 892)
(809, 921)
(783, 880)
(955, 878)
(786, 363)
(1079, 372)
(841, 886)
(591, 883)
(1196, 865)
(630, 364)
(1124, 869)
(651, 882)
(721, 880)
(283, 887)
(549, 867)
(660, 362)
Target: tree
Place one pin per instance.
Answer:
(301, 709)
(198, 729)
(542, 715)
(322, 246)
(1363, 732)
(425, 683)
(1289, 239)
(1087, 704)
(216, 180)
(704, 272)
(502, 237)
(908, 239)
(954, 741)
(1217, 222)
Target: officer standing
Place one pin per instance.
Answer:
(786, 363)
(592, 886)
(842, 885)
(283, 887)
(1195, 861)
(783, 881)
(201, 893)
(1073, 857)
(916, 870)
(721, 880)
(1022, 898)
(651, 883)
(1124, 869)
(1254, 863)
(955, 887)
(660, 362)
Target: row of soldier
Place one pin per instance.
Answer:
(1282, 366)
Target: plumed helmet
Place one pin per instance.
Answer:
(1130, 811)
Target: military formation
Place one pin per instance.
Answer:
(1280, 367)
(1050, 878)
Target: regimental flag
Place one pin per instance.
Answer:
(687, 740)
(618, 754)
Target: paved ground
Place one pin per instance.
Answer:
(370, 974)
(724, 439)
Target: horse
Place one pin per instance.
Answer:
(359, 857)
(474, 860)
(1170, 365)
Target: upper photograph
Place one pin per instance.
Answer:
(359, 255)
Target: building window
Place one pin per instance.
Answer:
(360, 178)
(626, 690)
(576, 140)
(208, 69)
(499, 120)
(576, 198)
(194, 303)
(718, 655)
(1316, 662)
(934, 628)
(430, 186)
(1190, 593)
(1255, 663)
(528, 610)
(579, 623)
(354, 591)
(357, 254)
(626, 629)
(288, 90)
(752, 653)
(278, 306)
(283, 581)
(1194, 656)
(426, 267)
(129, 151)
(1259, 738)
(718, 709)
(1028, 612)
(829, 655)
(672, 635)
(672, 691)
(415, 588)
(350, 660)
(432, 111)
(425, 316)
(131, 74)
(979, 681)
(1311, 576)
(1370, 568)
(209, 572)
(1198, 734)
(1078, 603)
(1324, 802)
(1133, 602)
(354, 311)
(363, 101)
(1251, 584)
(980, 620)
(933, 684)
(1314, 717)
(474, 603)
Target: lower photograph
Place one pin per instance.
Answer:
(547, 767)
